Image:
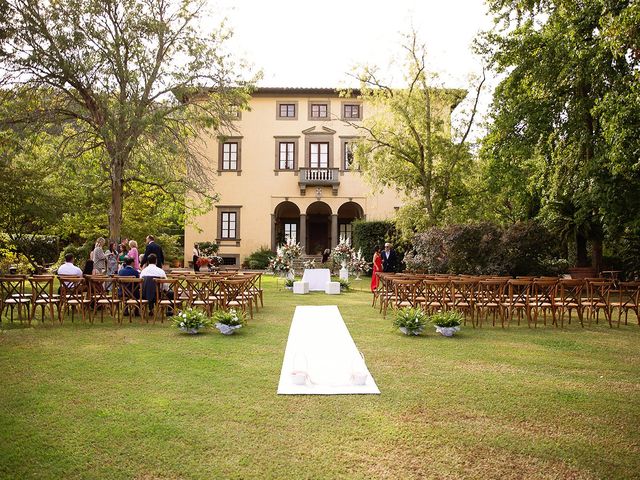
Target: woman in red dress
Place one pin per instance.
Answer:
(377, 267)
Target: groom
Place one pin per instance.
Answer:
(389, 259)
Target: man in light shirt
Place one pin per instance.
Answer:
(68, 268)
(148, 273)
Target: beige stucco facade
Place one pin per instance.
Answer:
(267, 202)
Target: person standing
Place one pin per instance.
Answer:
(112, 259)
(325, 255)
(153, 247)
(133, 253)
(123, 255)
(377, 267)
(196, 257)
(389, 259)
(99, 257)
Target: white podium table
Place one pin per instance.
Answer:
(317, 278)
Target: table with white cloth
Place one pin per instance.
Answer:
(317, 278)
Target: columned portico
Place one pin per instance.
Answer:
(303, 231)
(334, 230)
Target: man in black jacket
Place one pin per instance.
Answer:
(153, 247)
(389, 259)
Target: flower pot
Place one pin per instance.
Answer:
(416, 331)
(344, 272)
(191, 331)
(447, 331)
(227, 329)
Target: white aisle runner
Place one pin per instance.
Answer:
(321, 357)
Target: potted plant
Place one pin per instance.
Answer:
(229, 321)
(191, 320)
(410, 321)
(342, 255)
(345, 285)
(447, 323)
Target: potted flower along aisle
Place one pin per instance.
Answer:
(286, 254)
(410, 321)
(191, 321)
(342, 255)
(229, 322)
(447, 323)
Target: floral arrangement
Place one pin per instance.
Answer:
(191, 320)
(229, 321)
(358, 264)
(208, 249)
(342, 253)
(210, 262)
(286, 253)
(410, 321)
(310, 264)
(447, 319)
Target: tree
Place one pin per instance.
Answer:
(407, 141)
(110, 76)
(559, 109)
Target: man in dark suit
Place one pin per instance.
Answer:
(153, 247)
(389, 259)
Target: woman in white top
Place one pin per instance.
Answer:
(99, 257)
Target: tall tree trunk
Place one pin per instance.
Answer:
(581, 250)
(115, 212)
(596, 254)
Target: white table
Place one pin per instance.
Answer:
(317, 278)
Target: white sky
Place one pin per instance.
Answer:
(297, 43)
(316, 43)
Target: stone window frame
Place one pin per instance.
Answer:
(311, 103)
(318, 138)
(228, 209)
(296, 156)
(235, 256)
(221, 142)
(287, 102)
(343, 147)
(350, 119)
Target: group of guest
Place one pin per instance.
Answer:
(117, 256)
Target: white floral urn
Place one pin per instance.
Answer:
(291, 274)
(227, 329)
(344, 272)
(447, 331)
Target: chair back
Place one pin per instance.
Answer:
(11, 288)
(130, 288)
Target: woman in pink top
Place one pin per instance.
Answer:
(133, 253)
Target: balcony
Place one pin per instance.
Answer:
(319, 177)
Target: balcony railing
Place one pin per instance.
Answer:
(319, 177)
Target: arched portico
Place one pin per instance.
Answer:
(286, 223)
(319, 223)
(347, 214)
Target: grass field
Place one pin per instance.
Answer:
(142, 401)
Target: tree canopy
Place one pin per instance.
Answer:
(108, 77)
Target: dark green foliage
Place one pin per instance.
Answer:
(259, 260)
(366, 235)
(208, 249)
(41, 249)
(524, 248)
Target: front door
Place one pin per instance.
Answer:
(318, 234)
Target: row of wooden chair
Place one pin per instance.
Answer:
(503, 298)
(120, 296)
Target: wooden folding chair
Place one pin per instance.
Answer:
(489, 299)
(463, 297)
(102, 297)
(73, 295)
(598, 293)
(543, 299)
(404, 294)
(42, 295)
(198, 289)
(166, 298)
(628, 298)
(517, 299)
(12, 296)
(433, 295)
(130, 294)
(570, 298)
(235, 295)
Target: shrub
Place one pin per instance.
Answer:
(525, 248)
(367, 234)
(208, 249)
(259, 260)
(10, 260)
(172, 246)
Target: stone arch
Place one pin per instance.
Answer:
(318, 222)
(285, 223)
(347, 214)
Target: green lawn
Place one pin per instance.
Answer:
(145, 402)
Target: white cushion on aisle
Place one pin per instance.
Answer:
(317, 278)
(321, 357)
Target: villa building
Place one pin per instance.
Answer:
(287, 172)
